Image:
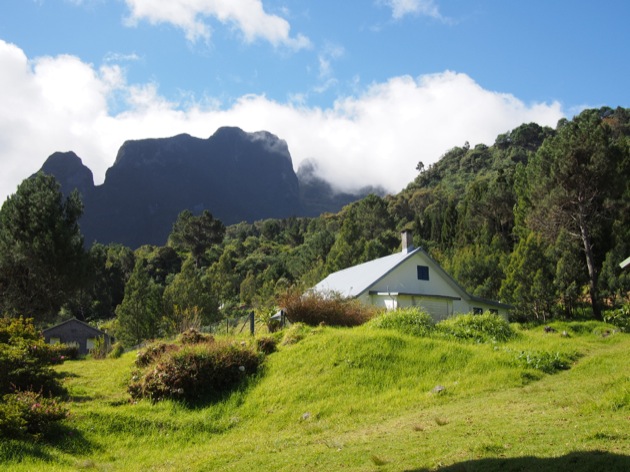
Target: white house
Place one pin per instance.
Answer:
(408, 278)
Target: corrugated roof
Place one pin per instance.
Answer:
(354, 280)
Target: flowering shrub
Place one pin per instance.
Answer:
(195, 372)
(26, 413)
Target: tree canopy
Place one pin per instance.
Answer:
(41, 249)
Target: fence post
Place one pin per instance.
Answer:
(251, 323)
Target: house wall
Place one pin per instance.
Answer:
(74, 332)
(436, 296)
(405, 279)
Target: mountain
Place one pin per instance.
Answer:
(237, 176)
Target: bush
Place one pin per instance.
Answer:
(117, 350)
(195, 372)
(315, 308)
(192, 336)
(25, 360)
(152, 352)
(266, 344)
(26, 413)
(412, 321)
(546, 362)
(478, 328)
(65, 352)
(101, 348)
(619, 318)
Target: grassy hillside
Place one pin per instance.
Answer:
(366, 399)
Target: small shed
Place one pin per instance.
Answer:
(74, 331)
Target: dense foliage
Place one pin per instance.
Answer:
(539, 219)
(27, 380)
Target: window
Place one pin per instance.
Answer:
(494, 311)
(477, 310)
(55, 340)
(423, 273)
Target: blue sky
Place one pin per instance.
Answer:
(365, 89)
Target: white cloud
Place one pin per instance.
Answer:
(377, 137)
(401, 8)
(247, 16)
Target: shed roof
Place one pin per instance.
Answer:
(75, 321)
(625, 263)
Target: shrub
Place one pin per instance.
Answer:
(25, 360)
(546, 362)
(100, 349)
(27, 413)
(478, 328)
(412, 321)
(619, 318)
(192, 336)
(316, 308)
(66, 352)
(152, 352)
(117, 350)
(266, 344)
(196, 372)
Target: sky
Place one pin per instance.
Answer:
(364, 90)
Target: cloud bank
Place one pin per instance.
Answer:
(246, 16)
(374, 138)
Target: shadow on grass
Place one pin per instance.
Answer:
(59, 438)
(584, 461)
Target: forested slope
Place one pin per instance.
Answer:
(540, 219)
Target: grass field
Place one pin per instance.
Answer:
(365, 399)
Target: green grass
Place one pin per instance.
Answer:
(363, 399)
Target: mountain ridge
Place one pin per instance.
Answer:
(236, 175)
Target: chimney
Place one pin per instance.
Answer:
(407, 241)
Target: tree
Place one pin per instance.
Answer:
(190, 291)
(571, 181)
(196, 234)
(528, 282)
(41, 248)
(140, 312)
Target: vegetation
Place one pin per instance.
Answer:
(364, 399)
(314, 308)
(539, 219)
(200, 369)
(27, 381)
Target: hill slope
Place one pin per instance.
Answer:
(361, 399)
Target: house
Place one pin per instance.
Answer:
(75, 332)
(408, 278)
